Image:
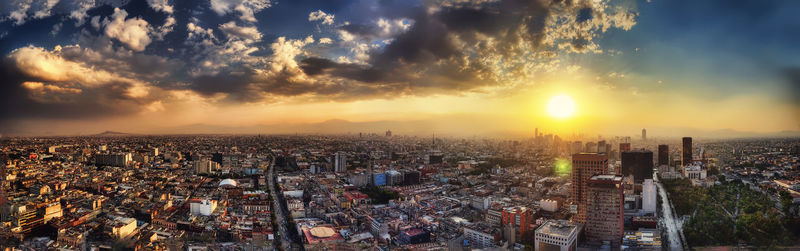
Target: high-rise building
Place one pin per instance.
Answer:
(519, 218)
(205, 166)
(624, 147)
(644, 134)
(663, 155)
(649, 196)
(340, 162)
(638, 163)
(601, 147)
(577, 147)
(686, 154)
(604, 218)
(388, 133)
(584, 166)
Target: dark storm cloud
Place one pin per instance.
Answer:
(17, 102)
(427, 57)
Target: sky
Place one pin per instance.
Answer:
(451, 67)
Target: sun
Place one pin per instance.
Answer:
(561, 106)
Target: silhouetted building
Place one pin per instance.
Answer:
(217, 157)
(604, 219)
(584, 166)
(686, 154)
(644, 134)
(638, 163)
(435, 158)
(663, 155)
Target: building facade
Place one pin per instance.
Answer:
(604, 218)
(584, 166)
(638, 163)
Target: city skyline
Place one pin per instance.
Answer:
(457, 68)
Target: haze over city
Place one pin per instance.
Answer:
(460, 68)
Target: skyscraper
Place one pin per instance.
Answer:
(686, 154)
(648, 196)
(601, 147)
(663, 155)
(638, 163)
(604, 220)
(644, 134)
(584, 166)
(340, 162)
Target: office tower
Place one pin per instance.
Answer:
(217, 157)
(624, 147)
(340, 162)
(604, 219)
(686, 154)
(591, 147)
(601, 147)
(535, 132)
(663, 155)
(584, 166)
(155, 151)
(557, 235)
(649, 196)
(519, 218)
(577, 147)
(644, 134)
(638, 163)
(388, 133)
(205, 166)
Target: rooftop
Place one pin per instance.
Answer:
(559, 228)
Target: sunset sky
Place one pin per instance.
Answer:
(452, 67)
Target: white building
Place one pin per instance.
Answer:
(557, 235)
(123, 227)
(204, 207)
(481, 203)
(481, 237)
(548, 205)
(694, 172)
(649, 196)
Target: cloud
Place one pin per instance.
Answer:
(133, 32)
(323, 17)
(20, 11)
(325, 40)
(233, 31)
(51, 67)
(245, 8)
(161, 5)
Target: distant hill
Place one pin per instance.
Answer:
(111, 134)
